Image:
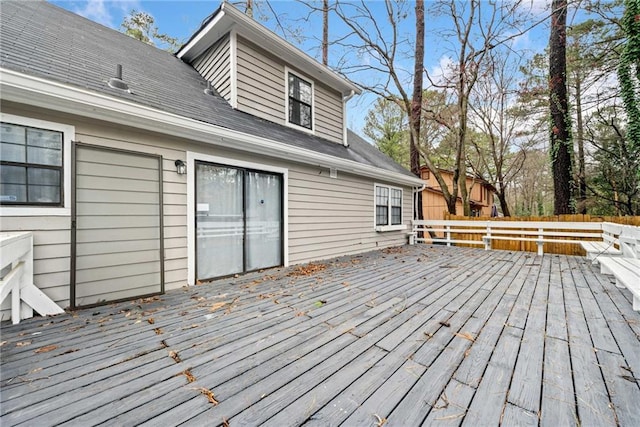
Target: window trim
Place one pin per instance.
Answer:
(68, 133)
(390, 227)
(301, 76)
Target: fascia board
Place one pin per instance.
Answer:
(211, 33)
(25, 89)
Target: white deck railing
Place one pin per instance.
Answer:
(16, 251)
(538, 232)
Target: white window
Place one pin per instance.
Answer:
(299, 102)
(388, 208)
(34, 166)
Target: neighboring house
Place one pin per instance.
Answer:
(136, 176)
(434, 205)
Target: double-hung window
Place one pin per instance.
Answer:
(35, 167)
(300, 101)
(31, 166)
(388, 207)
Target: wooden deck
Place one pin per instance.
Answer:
(412, 336)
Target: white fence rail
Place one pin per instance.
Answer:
(540, 232)
(16, 252)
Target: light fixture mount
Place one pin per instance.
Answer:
(181, 168)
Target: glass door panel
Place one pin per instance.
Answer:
(219, 221)
(264, 220)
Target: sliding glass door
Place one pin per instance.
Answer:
(238, 220)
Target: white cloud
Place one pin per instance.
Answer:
(441, 72)
(105, 12)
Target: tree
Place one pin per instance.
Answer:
(477, 28)
(560, 133)
(500, 155)
(141, 26)
(614, 180)
(386, 126)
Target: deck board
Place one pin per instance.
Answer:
(418, 335)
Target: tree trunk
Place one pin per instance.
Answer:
(560, 122)
(325, 32)
(502, 198)
(416, 101)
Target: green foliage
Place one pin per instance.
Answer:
(613, 181)
(141, 26)
(386, 125)
(629, 71)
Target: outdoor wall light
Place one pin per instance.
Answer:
(181, 168)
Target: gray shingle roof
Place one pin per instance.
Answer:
(41, 39)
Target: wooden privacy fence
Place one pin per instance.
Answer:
(548, 234)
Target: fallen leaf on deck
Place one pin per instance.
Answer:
(345, 283)
(187, 373)
(158, 331)
(33, 371)
(225, 423)
(71, 350)
(465, 335)
(218, 305)
(195, 325)
(630, 378)
(300, 313)
(164, 344)
(319, 303)
(22, 343)
(307, 270)
(381, 421)
(210, 397)
(174, 355)
(151, 320)
(46, 348)
(445, 324)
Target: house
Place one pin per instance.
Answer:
(434, 205)
(140, 171)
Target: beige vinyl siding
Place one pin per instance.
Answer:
(329, 115)
(261, 92)
(260, 79)
(327, 217)
(330, 217)
(215, 65)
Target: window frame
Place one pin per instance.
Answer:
(287, 72)
(389, 226)
(68, 135)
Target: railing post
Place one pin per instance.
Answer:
(448, 228)
(487, 242)
(540, 241)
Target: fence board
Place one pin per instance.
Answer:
(524, 246)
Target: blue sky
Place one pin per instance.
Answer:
(180, 19)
